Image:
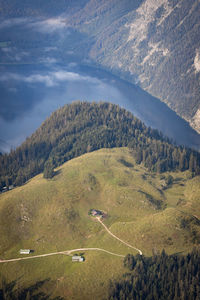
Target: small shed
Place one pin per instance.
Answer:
(77, 258)
(25, 251)
(96, 212)
(4, 189)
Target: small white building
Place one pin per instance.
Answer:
(25, 251)
(4, 189)
(77, 258)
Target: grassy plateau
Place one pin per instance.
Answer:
(146, 210)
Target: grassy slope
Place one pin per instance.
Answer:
(52, 215)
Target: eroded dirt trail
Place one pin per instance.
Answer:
(68, 252)
(114, 236)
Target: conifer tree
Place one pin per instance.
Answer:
(48, 170)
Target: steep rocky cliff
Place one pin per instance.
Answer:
(154, 43)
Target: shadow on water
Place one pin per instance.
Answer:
(37, 90)
(151, 110)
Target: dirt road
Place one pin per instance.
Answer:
(66, 252)
(128, 245)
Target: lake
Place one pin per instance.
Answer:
(42, 68)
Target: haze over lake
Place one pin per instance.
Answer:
(34, 83)
(32, 92)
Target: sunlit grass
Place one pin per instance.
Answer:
(52, 215)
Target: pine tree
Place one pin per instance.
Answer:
(48, 170)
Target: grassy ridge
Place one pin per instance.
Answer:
(83, 127)
(52, 215)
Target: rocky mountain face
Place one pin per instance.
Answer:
(154, 43)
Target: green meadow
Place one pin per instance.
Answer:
(149, 211)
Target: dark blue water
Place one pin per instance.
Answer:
(43, 66)
(29, 93)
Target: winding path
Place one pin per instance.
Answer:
(96, 249)
(68, 252)
(128, 245)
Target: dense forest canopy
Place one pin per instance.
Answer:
(160, 277)
(82, 127)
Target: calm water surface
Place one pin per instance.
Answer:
(30, 93)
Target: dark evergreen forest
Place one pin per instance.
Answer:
(83, 127)
(160, 277)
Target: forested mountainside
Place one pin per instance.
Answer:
(146, 210)
(154, 43)
(82, 127)
(159, 277)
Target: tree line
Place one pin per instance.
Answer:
(160, 277)
(83, 127)
(160, 156)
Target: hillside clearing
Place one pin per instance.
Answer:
(51, 215)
